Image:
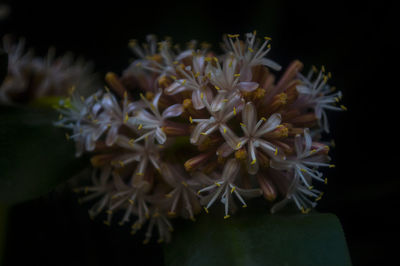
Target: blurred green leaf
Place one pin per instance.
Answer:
(255, 237)
(3, 65)
(34, 155)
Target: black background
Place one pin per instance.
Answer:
(355, 41)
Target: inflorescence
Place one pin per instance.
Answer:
(207, 128)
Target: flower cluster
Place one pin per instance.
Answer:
(30, 78)
(207, 128)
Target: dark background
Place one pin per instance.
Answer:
(354, 41)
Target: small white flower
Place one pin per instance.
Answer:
(182, 198)
(221, 111)
(251, 54)
(254, 132)
(152, 122)
(317, 94)
(224, 187)
(306, 162)
(134, 152)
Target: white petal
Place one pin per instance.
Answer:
(249, 117)
(231, 170)
(271, 124)
(112, 136)
(173, 111)
(229, 136)
(160, 136)
(271, 64)
(248, 86)
(175, 87)
(303, 89)
(196, 100)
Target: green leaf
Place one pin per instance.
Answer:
(3, 65)
(256, 237)
(34, 155)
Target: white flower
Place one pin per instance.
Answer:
(317, 95)
(251, 54)
(221, 111)
(132, 198)
(254, 132)
(101, 188)
(194, 81)
(183, 197)
(152, 122)
(224, 187)
(225, 79)
(306, 162)
(135, 152)
(301, 196)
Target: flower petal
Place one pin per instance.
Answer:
(173, 111)
(273, 121)
(248, 86)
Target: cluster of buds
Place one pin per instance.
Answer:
(31, 77)
(206, 129)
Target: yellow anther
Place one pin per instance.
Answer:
(206, 209)
(198, 192)
(263, 119)
(233, 189)
(60, 117)
(225, 100)
(269, 46)
(276, 151)
(323, 69)
(131, 142)
(238, 145)
(191, 120)
(107, 223)
(203, 133)
(233, 35)
(140, 127)
(243, 125)
(333, 88)
(227, 216)
(313, 151)
(171, 213)
(217, 184)
(197, 75)
(217, 88)
(224, 130)
(139, 64)
(207, 59)
(168, 195)
(215, 59)
(337, 99)
(250, 50)
(107, 89)
(175, 62)
(82, 98)
(310, 187)
(108, 125)
(183, 82)
(303, 170)
(67, 136)
(132, 43)
(267, 38)
(202, 95)
(173, 77)
(332, 166)
(326, 181)
(230, 63)
(325, 78)
(109, 211)
(236, 75)
(131, 201)
(344, 108)
(139, 174)
(244, 206)
(126, 118)
(192, 218)
(314, 68)
(184, 183)
(253, 162)
(234, 110)
(329, 75)
(121, 163)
